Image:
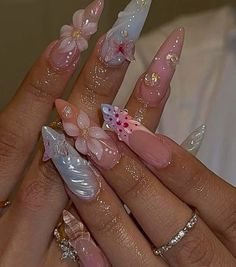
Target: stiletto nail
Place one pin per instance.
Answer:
(87, 251)
(143, 142)
(193, 142)
(79, 175)
(120, 40)
(90, 139)
(74, 38)
(157, 79)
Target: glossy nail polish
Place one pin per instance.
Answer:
(156, 80)
(90, 139)
(78, 174)
(74, 38)
(143, 142)
(193, 142)
(119, 44)
(87, 251)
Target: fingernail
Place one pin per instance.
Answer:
(78, 174)
(88, 252)
(74, 38)
(90, 139)
(143, 142)
(194, 141)
(157, 79)
(120, 41)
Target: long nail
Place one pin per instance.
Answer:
(79, 175)
(157, 79)
(88, 252)
(194, 141)
(119, 44)
(90, 139)
(74, 38)
(143, 142)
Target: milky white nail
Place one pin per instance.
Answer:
(74, 38)
(193, 142)
(79, 175)
(120, 40)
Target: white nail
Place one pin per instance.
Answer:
(120, 40)
(193, 142)
(79, 175)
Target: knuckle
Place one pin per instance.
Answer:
(195, 251)
(41, 189)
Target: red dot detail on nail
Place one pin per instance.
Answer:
(126, 125)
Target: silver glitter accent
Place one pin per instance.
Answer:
(178, 237)
(124, 33)
(172, 59)
(67, 112)
(152, 79)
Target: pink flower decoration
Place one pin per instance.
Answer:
(125, 48)
(89, 138)
(75, 36)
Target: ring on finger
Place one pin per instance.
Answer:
(178, 237)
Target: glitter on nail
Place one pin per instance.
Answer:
(67, 112)
(172, 59)
(124, 33)
(152, 79)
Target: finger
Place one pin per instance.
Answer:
(153, 87)
(161, 214)
(182, 174)
(102, 212)
(21, 121)
(104, 71)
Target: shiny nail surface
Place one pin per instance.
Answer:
(143, 142)
(74, 38)
(156, 80)
(194, 141)
(78, 174)
(88, 252)
(90, 139)
(119, 44)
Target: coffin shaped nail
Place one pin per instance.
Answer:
(156, 81)
(74, 38)
(90, 139)
(88, 252)
(120, 41)
(143, 142)
(78, 174)
(194, 141)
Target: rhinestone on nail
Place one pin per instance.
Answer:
(172, 59)
(152, 79)
(124, 33)
(67, 112)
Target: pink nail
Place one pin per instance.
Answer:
(74, 38)
(160, 73)
(90, 139)
(143, 142)
(88, 252)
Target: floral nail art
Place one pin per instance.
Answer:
(120, 40)
(90, 139)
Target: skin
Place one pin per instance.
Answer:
(160, 206)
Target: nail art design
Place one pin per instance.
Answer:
(90, 139)
(88, 252)
(143, 142)
(74, 38)
(79, 175)
(120, 40)
(156, 81)
(193, 142)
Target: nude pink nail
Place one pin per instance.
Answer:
(74, 38)
(88, 253)
(90, 139)
(143, 142)
(157, 79)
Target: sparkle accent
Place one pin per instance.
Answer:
(178, 237)
(152, 79)
(142, 2)
(172, 59)
(124, 33)
(67, 112)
